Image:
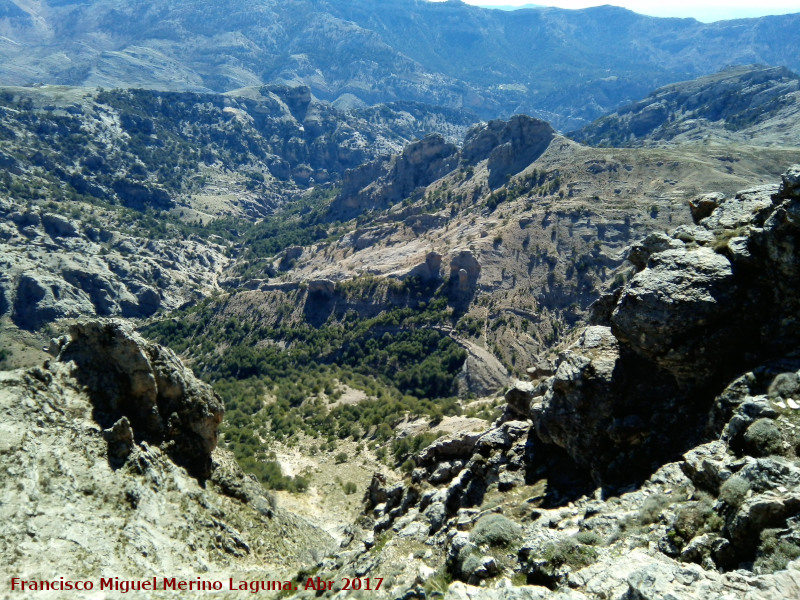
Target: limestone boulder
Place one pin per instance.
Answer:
(704, 205)
(59, 226)
(657, 241)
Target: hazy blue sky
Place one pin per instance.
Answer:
(702, 10)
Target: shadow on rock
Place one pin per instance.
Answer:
(141, 392)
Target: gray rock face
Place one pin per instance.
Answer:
(58, 226)
(54, 270)
(790, 183)
(657, 241)
(689, 318)
(578, 408)
(164, 402)
(385, 182)
(708, 465)
(680, 311)
(509, 146)
(519, 397)
(464, 270)
(430, 269)
(323, 287)
(704, 205)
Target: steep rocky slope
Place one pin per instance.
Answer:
(207, 154)
(721, 520)
(91, 484)
(750, 104)
(568, 67)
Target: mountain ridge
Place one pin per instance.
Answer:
(748, 104)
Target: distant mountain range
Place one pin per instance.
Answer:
(511, 7)
(565, 66)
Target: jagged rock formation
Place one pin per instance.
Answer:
(623, 407)
(382, 183)
(145, 386)
(83, 498)
(713, 300)
(464, 270)
(507, 146)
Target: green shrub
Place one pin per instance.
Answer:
(652, 508)
(589, 538)
(694, 518)
(734, 491)
(495, 530)
(438, 583)
(349, 488)
(774, 553)
(269, 473)
(568, 552)
(763, 438)
(340, 458)
(408, 466)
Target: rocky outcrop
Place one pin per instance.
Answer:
(430, 269)
(381, 184)
(81, 495)
(694, 315)
(41, 298)
(464, 271)
(681, 311)
(692, 441)
(506, 146)
(53, 269)
(509, 146)
(59, 226)
(763, 112)
(146, 386)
